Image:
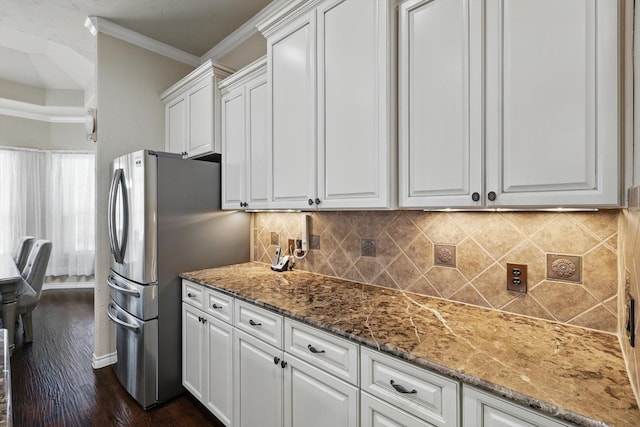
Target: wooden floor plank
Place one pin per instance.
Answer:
(53, 383)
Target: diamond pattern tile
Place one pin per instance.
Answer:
(484, 243)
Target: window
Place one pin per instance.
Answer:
(50, 194)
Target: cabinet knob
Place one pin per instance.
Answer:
(475, 196)
(244, 204)
(310, 202)
(491, 196)
(276, 360)
(317, 201)
(283, 364)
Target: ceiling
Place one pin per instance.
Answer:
(44, 43)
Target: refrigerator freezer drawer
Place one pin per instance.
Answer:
(138, 300)
(137, 367)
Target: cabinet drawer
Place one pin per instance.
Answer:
(421, 393)
(328, 352)
(374, 412)
(260, 323)
(219, 305)
(193, 294)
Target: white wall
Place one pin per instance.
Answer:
(130, 117)
(19, 132)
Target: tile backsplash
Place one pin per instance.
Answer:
(462, 256)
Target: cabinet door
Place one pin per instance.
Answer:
(355, 103)
(377, 413)
(313, 398)
(218, 357)
(175, 129)
(257, 143)
(291, 72)
(257, 382)
(233, 148)
(200, 111)
(193, 346)
(480, 409)
(440, 103)
(552, 102)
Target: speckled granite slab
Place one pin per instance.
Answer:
(5, 382)
(572, 373)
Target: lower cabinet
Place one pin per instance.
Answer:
(481, 409)
(207, 360)
(313, 398)
(252, 367)
(257, 376)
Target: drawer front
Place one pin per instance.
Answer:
(219, 305)
(374, 413)
(428, 396)
(260, 323)
(193, 294)
(326, 351)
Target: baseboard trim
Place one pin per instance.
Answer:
(105, 360)
(69, 285)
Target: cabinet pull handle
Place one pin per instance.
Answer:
(216, 306)
(491, 196)
(276, 360)
(190, 295)
(312, 349)
(401, 389)
(317, 201)
(310, 202)
(475, 196)
(283, 364)
(252, 323)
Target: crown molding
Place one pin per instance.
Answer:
(96, 24)
(246, 73)
(42, 113)
(247, 29)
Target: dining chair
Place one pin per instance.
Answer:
(22, 250)
(32, 281)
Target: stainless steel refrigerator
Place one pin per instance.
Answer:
(164, 218)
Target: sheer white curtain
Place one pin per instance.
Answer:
(50, 194)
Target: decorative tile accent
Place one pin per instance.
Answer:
(567, 268)
(444, 255)
(481, 243)
(275, 238)
(368, 247)
(314, 242)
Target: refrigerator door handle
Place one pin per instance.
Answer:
(118, 249)
(134, 328)
(113, 285)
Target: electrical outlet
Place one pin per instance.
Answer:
(517, 277)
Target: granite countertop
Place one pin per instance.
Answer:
(5, 382)
(575, 374)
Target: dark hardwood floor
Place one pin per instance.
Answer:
(53, 383)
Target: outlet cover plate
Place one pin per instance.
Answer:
(517, 277)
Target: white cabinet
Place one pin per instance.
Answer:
(207, 349)
(258, 382)
(314, 398)
(192, 112)
(481, 409)
(530, 118)
(332, 136)
(244, 138)
(416, 392)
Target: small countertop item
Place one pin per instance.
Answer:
(575, 374)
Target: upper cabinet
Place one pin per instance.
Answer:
(331, 100)
(244, 138)
(529, 118)
(192, 112)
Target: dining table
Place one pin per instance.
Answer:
(9, 279)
